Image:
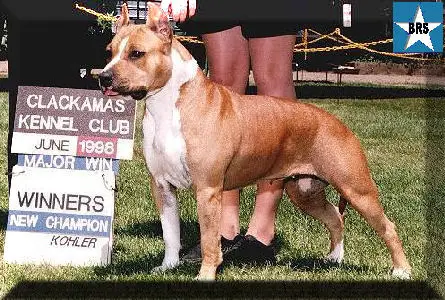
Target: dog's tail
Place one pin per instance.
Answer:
(342, 206)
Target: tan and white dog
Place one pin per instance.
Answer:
(203, 135)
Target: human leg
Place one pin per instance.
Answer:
(271, 59)
(228, 55)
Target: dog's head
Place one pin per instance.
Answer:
(140, 55)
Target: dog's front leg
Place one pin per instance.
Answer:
(209, 215)
(167, 205)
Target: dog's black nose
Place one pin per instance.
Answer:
(106, 78)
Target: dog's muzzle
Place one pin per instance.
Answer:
(106, 83)
(106, 79)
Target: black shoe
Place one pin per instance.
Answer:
(193, 255)
(251, 251)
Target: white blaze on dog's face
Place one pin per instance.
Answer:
(141, 54)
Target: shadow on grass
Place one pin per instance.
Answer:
(142, 229)
(153, 229)
(190, 238)
(140, 265)
(317, 264)
(144, 265)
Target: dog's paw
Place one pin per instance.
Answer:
(207, 278)
(401, 273)
(206, 273)
(336, 256)
(165, 267)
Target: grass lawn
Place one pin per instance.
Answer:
(393, 135)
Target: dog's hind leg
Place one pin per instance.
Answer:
(309, 195)
(167, 205)
(345, 167)
(363, 197)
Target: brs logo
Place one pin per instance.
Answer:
(418, 27)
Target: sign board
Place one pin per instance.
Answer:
(58, 121)
(60, 217)
(68, 162)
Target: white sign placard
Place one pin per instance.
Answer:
(60, 217)
(60, 121)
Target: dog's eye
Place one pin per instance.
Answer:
(136, 54)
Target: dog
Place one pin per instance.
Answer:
(202, 135)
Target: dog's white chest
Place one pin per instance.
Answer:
(164, 144)
(165, 151)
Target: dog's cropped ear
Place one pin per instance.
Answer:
(157, 20)
(124, 18)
